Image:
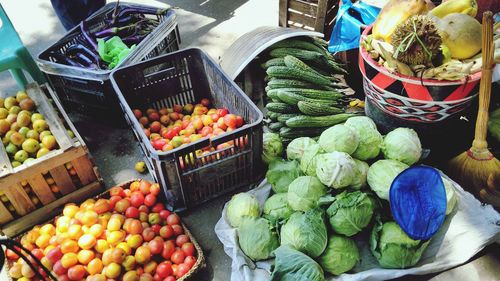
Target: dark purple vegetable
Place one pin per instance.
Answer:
(88, 63)
(141, 10)
(79, 48)
(134, 39)
(87, 36)
(60, 58)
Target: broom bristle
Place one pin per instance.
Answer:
(471, 169)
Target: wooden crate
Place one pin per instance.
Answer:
(31, 193)
(317, 15)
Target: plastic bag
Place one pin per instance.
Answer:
(350, 17)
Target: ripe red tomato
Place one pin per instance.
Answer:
(190, 261)
(132, 212)
(144, 209)
(59, 269)
(156, 228)
(154, 189)
(116, 191)
(13, 256)
(181, 239)
(144, 186)
(239, 121)
(157, 208)
(113, 200)
(164, 214)
(148, 234)
(166, 231)
(157, 277)
(173, 219)
(182, 270)
(158, 144)
(150, 200)
(38, 253)
(205, 131)
(178, 108)
(222, 112)
(164, 269)
(215, 117)
(169, 278)
(230, 120)
(168, 249)
(205, 102)
(156, 246)
(188, 248)
(177, 229)
(137, 199)
(169, 134)
(178, 257)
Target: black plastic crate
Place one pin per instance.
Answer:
(183, 77)
(89, 92)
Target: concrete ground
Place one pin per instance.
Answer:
(212, 25)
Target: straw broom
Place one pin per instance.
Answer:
(477, 167)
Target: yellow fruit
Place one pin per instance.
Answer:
(467, 7)
(27, 271)
(394, 13)
(85, 256)
(69, 259)
(87, 241)
(114, 224)
(113, 270)
(89, 218)
(70, 210)
(75, 231)
(96, 230)
(101, 246)
(116, 237)
(48, 229)
(461, 34)
(140, 167)
(43, 241)
(125, 247)
(46, 262)
(95, 266)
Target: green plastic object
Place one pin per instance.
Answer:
(14, 56)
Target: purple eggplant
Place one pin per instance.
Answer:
(60, 58)
(141, 10)
(87, 36)
(79, 48)
(133, 39)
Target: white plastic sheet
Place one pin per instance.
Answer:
(467, 230)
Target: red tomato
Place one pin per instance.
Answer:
(164, 214)
(157, 208)
(113, 200)
(178, 108)
(182, 270)
(157, 277)
(230, 120)
(59, 269)
(116, 191)
(159, 144)
(156, 247)
(215, 117)
(164, 269)
(144, 187)
(144, 209)
(205, 102)
(205, 131)
(222, 112)
(155, 189)
(173, 219)
(178, 257)
(177, 130)
(169, 134)
(185, 123)
(156, 228)
(221, 124)
(168, 249)
(13, 256)
(150, 200)
(181, 239)
(137, 199)
(174, 269)
(63, 277)
(188, 248)
(177, 229)
(169, 278)
(239, 121)
(38, 253)
(190, 261)
(132, 212)
(166, 231)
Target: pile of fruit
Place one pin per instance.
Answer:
(130, 236)
(415, 38)
(169, 128)
(24, 131)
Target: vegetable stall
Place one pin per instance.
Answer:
(315, 180)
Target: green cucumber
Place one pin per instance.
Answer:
(287, 72)
(293, 133)
(293, 99)
(316, 109)
(284, 117)
(282, 107)
(310, 93)
(304, 121)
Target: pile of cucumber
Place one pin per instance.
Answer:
(304, 94)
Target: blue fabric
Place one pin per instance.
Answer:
(418, 201)
(72, 12)
(350, 17)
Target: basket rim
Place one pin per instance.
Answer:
(103, 74)
(200, 259)
(201, 142)
(409, 79)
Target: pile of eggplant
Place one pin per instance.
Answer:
(129, 22)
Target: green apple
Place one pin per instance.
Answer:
(23, 119)
(31, 146)
(17, 139)
(42, 152)
(11, 118)
(3, 113)
(28, 160)
(15, 109)
(32, 134)
(40, 125)
(21, 95)
(16, 164)
(49, 142)
(10, 102)
(11, 149)
(36, 116)
(70, 133)
(21, 156)
(24, 131)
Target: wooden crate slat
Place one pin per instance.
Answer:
(84, 170)
(319, 25)
(41, 189)
(5, 216)
(52, 209)
(19, 199)
(62, 179)
(302, 19)
(61, 159)
(283, 13)
(303, 7)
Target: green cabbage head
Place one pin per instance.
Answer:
(359, 181)
(351, 212)
(306, 232)
(339, 138)
(340, 256)
(393, 248)
(402, 144)
(281, 173)
(336, 169)
(257, 239)
(308, 160)
(292, 265)
(370, 140)
(304, 193)
(242, 204)
(276, 208)
(381, 174)
(361, 123)
(296, 147)
(272, 147)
